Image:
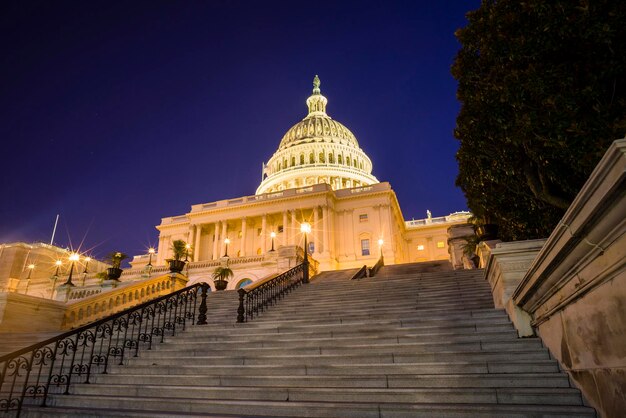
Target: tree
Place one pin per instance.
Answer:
(542, 87)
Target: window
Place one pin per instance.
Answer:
(440, 244)
(258, 231)
(311, 247)
(280, 229)
(243, 282)
(293, 161)
(301, 159)
(363, 217)
(420, 247)
(322, 158)
(239, 234)
(311, 158)
(331, 158)
(365, 247)
(339, 159)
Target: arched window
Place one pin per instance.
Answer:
(322, 158)
(242, 283)
(339, 159)
(311, 158)
(301, 159)
(331, 159)
(293, 161)
(258, 251)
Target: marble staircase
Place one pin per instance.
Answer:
(415, 341)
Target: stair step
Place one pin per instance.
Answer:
(308, 409)
(416, 340)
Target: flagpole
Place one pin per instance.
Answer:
(55, 229)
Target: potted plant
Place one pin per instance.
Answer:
(115, 258)
(179, 251)
(469, 249)
(221, 276)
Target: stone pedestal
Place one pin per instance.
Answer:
(456, 243)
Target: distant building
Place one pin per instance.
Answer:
(31, 268)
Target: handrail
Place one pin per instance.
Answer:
(257, 296)
(51, 366)
(374, 270)
(360, 274)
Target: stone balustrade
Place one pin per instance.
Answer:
(121, 297)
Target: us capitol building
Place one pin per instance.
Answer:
(319, 175)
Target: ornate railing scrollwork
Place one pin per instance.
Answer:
(260, 295)
(31, 374)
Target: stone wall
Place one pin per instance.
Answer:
(575, 290)
(23, 313)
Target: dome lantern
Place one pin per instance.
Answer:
(316, 102)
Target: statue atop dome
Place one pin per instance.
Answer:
(316, 85)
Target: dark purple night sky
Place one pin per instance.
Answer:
(116, 114)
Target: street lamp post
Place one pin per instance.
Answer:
(272, 235)
(226, 241)
(55, 277)
(31, 267)
(87, 260)
(380, 245)
(151, 251)
(305, 228)
(74, 257)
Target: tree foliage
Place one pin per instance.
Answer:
(542, 86)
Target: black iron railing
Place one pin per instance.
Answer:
(374, 270)
(360, 274)
(259, 296)
(30, 375)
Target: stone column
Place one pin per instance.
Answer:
(316, 228)
(387, 217)
(294, 231)
(196, 245)
(191, 235)
(223, 237)
(325, 228)
(331, 231)
(285, 228)
(161, 251)
(341, 220)
(349, 225)
(263, 237)
(216, 240)
(243, 236)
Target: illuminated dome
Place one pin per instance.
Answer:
(317, 150)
